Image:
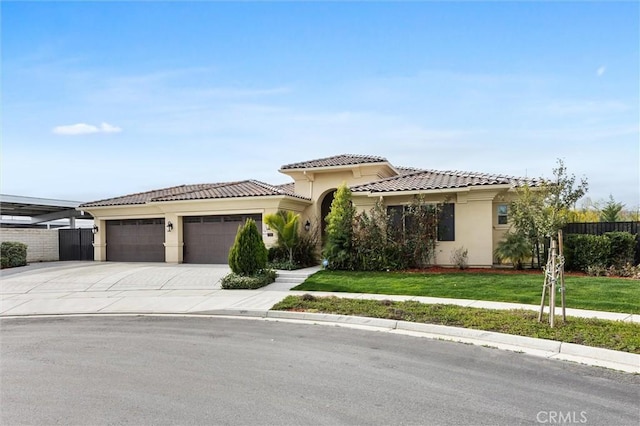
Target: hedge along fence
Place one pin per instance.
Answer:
(12, 254)
(602, 251)
(600, 228)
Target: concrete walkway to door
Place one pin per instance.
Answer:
(113, 287)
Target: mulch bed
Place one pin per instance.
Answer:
(506, 271)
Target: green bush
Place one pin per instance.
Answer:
(586, 252)
(339, 237)
(623, 248)
(248, 255)
(12, 254)
(260, 279)
(515, 248)
(305, 253)
(600, 254)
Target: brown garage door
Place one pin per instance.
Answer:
(207, 239)
(135, 240)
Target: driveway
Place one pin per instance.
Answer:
(111, 276)
(113, 287)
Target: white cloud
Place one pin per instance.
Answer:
(85, 129)
(601, 71)
(108, 128)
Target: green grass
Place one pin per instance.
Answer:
(596, 293)
(616, 335)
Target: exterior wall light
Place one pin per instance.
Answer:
(169, 226)
(307, 225)
(95, 229)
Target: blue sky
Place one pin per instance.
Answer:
(101, 99)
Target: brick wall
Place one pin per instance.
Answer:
(42, 244)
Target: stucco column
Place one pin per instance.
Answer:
(173, 240)
(99, 241)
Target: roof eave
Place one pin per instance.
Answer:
(433, 191)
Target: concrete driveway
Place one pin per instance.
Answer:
(113, 287)
(112, 276)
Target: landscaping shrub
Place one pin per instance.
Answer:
(611, 254)
(12, 254)
(622, 248)
(259, 279)
(399, 237)
(460, 258)
(305, 253)
(248, 255)
(373, 248)
(515, 248)
(583, 252)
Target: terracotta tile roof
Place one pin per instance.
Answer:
(246, 188)
(288, 187)
(144, 197)
(434, 179)
(337, 160)
(406, 170)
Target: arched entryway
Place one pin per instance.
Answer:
(325, 208)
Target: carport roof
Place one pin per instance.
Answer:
(240, 189)
(39, 209)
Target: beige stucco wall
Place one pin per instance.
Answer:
(42, 244)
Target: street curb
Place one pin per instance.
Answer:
(550, 349)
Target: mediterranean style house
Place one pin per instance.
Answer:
(198, 223)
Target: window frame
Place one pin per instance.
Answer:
(500, 215)
(442, 235)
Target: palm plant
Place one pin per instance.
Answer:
(515, 248)
(285, 223)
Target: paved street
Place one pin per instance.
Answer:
(161, 370)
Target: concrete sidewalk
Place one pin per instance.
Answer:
(145, 288)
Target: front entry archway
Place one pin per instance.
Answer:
(325, 208)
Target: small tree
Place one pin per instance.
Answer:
(285, 223)
(611, 211)
(539, 213)
(560, 196)
(337, 249)
(248, 255)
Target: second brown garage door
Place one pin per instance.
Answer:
(207, 239)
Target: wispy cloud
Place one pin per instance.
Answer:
(600, 72)
(85, 129)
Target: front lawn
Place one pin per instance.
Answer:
(616, 335)
(596, 293)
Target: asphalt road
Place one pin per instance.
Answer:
(174, 370)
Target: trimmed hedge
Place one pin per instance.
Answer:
(12, 254)
(623, 248)
(235, 281)
(584, 252)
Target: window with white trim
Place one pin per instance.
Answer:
(503, 214)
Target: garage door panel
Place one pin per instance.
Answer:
(135, 240)
(207, 239)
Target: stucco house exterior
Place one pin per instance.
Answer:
(197, 223)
